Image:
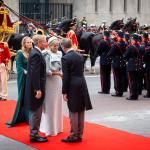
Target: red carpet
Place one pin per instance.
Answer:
(96, 137)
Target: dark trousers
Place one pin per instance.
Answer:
(133, 80)
(148, 82)
(118, 80)
(141, 81)
(76, 123)
(35, 120)
(125, 79)
(105, 74)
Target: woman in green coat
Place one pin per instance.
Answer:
(21, 114)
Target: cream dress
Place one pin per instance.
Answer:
(52, 115)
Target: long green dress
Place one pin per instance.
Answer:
(20, 114)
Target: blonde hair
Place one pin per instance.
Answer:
(24, 41)
(25, 53)
(36, 38)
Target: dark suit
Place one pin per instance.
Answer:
(74, 85)
(36, 78)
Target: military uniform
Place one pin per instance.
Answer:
(146, 60)
(4, 58)
(118, 65)
(71, 35)
(134, 67)
(105, 63)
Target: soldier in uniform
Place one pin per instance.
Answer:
(134, 66)
(118, 64)
(71, 35)
(105, 63)
(146, 60)
(4, 58)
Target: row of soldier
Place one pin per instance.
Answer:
(128, 57)
(130, 62)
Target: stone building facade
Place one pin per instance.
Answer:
(97, 11)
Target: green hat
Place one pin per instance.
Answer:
(121, 34)
(127, 36)
(135, 37)
(145, 35)
(106, 33)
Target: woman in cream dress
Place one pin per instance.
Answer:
(52, 116)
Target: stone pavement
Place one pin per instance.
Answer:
(10, 144)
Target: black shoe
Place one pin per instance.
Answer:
(79, 139)
(132, 99)
(38, 139)
(117, 95)
(0, 98)
(70, 140)
(103, 92)
(146, 96)
(3, 99)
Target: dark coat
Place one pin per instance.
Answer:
(133, 56)
(117, 51)
(102, 51)
(74, 84)
(146, 58)
(36, 78)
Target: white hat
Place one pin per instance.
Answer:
(52, 39)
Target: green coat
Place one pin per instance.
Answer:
(20, 114)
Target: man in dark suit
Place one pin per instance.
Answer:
(74, 90)
(35, 87)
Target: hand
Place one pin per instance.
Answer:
(25, 72)
(38, 94)
(65, 97)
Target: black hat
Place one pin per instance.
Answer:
(145, 35)
(106, 33)
(1, 2)
(135, 37)
(121, 34)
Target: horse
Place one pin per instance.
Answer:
(89, 43)
(14, 44)
(131, 25)
(117, 25)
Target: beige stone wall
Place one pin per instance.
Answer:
(87, 8)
